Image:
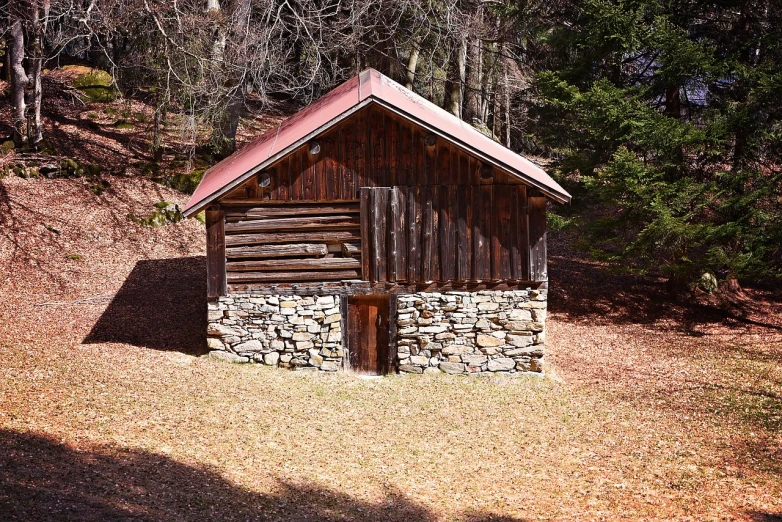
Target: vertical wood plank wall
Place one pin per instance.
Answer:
(425, 248)
(537, 237)
(373, 148)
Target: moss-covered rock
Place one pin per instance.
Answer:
(165, 213)
(97, 86)
(69, 167)
(24, 171)
(7, 147)
(149, 169)
(186, 183)
(123, 124)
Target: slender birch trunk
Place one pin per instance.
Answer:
(454, 86)
(412, 63)
(18, 74)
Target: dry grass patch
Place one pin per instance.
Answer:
(296, 446)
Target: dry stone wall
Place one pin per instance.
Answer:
(453, 332)
(287, 331)
(471, 332)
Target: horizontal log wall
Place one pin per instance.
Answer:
(300, 242)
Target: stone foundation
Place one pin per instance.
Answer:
(287, 331)
(452, 332)
(471, 332)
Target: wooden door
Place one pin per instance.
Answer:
(368, 334)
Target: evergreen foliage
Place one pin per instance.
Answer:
(665, 118)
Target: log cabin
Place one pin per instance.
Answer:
(374, 231)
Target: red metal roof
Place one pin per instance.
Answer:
(368, 87)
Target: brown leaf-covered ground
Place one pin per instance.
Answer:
(654, 409)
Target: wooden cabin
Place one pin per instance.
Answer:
(374, 231)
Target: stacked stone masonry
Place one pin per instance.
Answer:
(287, 331)
(471, 332)
(453, 332)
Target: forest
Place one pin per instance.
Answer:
(661, 117)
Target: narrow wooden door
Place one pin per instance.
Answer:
(368, 334)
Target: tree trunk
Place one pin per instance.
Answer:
(742, 33)
(18, 75)
(157, 128)
(6, 76)
(38, 18)
(229, 123)
(473, 110)
(507, 110)
(225, 138)
(412, 63)
(731, 285)
(456, 77)
(673, 102)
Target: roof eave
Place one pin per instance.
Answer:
(559, 197)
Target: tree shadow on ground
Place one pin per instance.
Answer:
(43, 479)
(96, 145)
(161, 305)
(758, 516)
(583, 289)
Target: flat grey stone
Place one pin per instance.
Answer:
(249, 346)
(214, 344)
(474, 360)
(329, 366)
(419, 360)
(451, 367)
(224, 331)
(228, 357)
(457, 349)
(501, 364)
(488, 340)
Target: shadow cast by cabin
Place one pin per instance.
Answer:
(43, 479)
(162, 305)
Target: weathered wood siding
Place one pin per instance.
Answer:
(382, 201)
(215, 253)
(446, 233)
(373, 148)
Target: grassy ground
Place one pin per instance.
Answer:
(654, 410)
